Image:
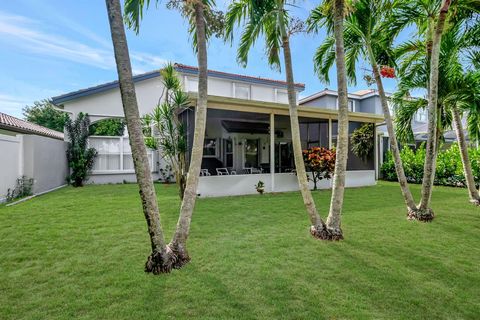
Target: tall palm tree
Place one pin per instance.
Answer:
(161, 258)
(366, 34)
(458, 90)
(198, 12)
(270, 19)
(424, 212)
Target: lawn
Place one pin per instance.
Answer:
(79, 253)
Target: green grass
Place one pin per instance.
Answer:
(79, 253)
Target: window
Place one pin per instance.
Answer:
(241, 91)
(192, 84)
(421, 116)
(351, 104)
(282, 96)
(210, 148)
(114, 154)
(251, 153)
(228, 149)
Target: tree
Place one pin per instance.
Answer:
(172, 134)
(161, 258)
(320, 162)
(424, 212)
(271, 19)
(79, 156)
(367, 36)
(203, 22)
(45, 114)
(458, 89)
(108, 127)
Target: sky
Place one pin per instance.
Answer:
(51, 47)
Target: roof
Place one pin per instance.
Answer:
(181, 68)
(8, 122)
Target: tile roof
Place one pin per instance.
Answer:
(8, 122)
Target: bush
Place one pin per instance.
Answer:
(79, 156)
(24, 188)
(448, 172)
(320, 162)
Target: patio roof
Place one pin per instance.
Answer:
(234, 104)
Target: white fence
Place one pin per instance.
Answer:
(37, 157)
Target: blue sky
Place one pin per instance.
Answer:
(50, 47)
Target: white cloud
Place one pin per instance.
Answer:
(27, 34)
(12, 105)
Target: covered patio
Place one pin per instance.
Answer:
(250, 141)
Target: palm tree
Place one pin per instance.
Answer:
(424, 212)
(458, 89)
(198, 12)
(271, 20)
(367, 36)
(161, 258)
(455, 93)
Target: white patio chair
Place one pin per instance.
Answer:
(222, 171)
(231, 171)
(204, 173)
(247, 171)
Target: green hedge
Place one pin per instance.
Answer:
(449, 170)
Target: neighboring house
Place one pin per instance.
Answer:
(368, 101)
(247, 137)
(33, 151)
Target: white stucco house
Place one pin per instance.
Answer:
(247, 135)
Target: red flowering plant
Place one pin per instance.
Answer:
(387, 72)
(320, 162)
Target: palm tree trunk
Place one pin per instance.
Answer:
(338, 187)
(424, 212)
(467, 166)
(402, 179)
(318, 228)
(160, 260)
(179, 240)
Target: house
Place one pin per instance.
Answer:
(368, 101)
(32, 151)
(248, 136)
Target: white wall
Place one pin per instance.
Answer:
(10, 147)
(37, 157)
(218, 186)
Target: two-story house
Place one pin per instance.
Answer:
(248, 136)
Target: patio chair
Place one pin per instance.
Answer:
(247, 171)
(204, 173)
(222, 172)
(231, 171)
(257, 170)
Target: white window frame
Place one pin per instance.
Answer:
(351, 105)
(217, 149)
(234, 90)
(121, 154)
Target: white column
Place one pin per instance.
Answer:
(329, 133)
(121, 154)
(272, 151)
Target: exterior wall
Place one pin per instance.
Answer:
(233, 185)
(325, 102)
(37, 157)
(370, 105)
(45, 161)
(116, 178)
(9, 163)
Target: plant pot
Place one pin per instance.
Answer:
(261, 190)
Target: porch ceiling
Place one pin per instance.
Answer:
(234, 104)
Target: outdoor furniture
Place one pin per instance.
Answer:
(257, 170)
(222, 172)
(204, 173)
(231, 171)
(247, 171)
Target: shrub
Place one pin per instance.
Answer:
(320, 162)
(448, 172)
(24, 188)
(79, 156)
